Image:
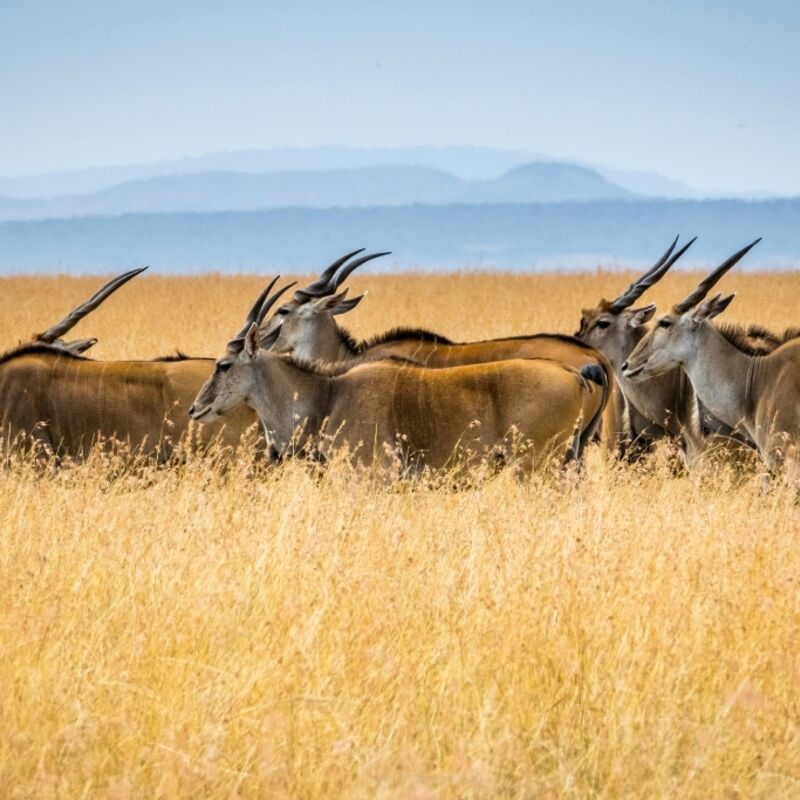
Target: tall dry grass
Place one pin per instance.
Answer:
(266, 633)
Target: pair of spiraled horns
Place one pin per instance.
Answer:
(329, 280)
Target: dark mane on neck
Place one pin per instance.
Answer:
(39, 348)
(349, 341)
(753, 340)
(178, 355)
(561, 337)
(423, 335)
(398, 334)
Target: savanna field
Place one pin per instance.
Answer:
(252, 632)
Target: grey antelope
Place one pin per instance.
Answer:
(55, 402)
(739, 385)
(395, 412)
(664, 405)
(306, 329)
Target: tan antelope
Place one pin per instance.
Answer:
(306, 329)
(739, 385)
(394, 412)
(56, 402)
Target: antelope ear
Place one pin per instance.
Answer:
(328, 303)
(269, 339)
(251, 341)
(709, 309)
(347, 305)
(639, 316)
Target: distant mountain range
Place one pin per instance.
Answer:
(530, 236)
(394, 185)
(467, 163)
(294, 208)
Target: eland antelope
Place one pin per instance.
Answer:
(665, 405)
(57, 403)
(305, 328)
(650, 411)
(738, 383)
(395, 411)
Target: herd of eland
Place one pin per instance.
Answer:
(410, 399)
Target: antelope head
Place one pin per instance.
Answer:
(325, 286)
(310, 331)
(673, 340)
(231, 382)
(613, 327)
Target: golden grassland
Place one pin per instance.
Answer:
(269, 633)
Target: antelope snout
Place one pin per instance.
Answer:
(631, 374)
(201, 414)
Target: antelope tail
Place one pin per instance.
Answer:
(597, 373)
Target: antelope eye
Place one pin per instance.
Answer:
(664, 323)
(282, 312)
(602, 324)
(223, 366)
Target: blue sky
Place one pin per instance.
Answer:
(705, 92)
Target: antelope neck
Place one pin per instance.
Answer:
(288, 397)
(721, 375)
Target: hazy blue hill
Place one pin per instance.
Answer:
(544, 182)
(233, 191)
(511, 236)
(649, 184)
(19, 208)
(392, 185)
(468, 163)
